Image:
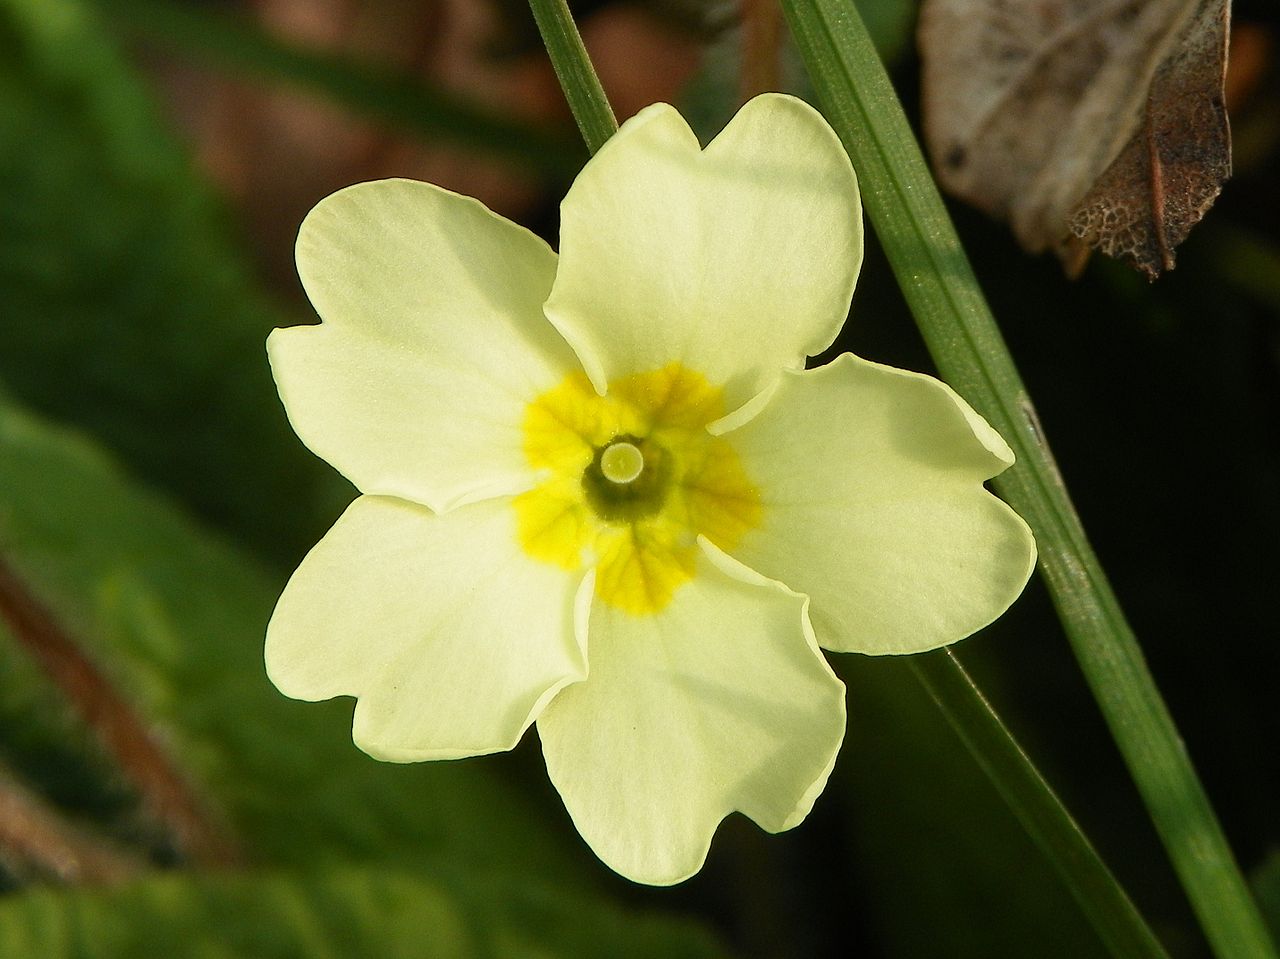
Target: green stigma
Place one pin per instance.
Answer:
(621, 462)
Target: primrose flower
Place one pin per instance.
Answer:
(601, 493)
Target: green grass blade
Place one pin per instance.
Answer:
(408, 103)
(573, 67)
(916, 232)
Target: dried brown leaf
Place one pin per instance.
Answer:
(1083, 123)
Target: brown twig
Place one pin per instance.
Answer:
(35, 837)
(166, 794)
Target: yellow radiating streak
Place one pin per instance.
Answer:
(645, 548)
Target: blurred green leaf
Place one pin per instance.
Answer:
(1266, 887)
(1032, 800)
(176, 618)
(338, 914)
(124, 307)
(714, 94)
(1249, 261)
(369, 90)
(934, 839)
(891, 24)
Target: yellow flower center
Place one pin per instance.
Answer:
(632, 479)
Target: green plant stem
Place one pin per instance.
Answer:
(920, 241)
(1038, 808)
(577, 76)
(406, 102)
(962, 703)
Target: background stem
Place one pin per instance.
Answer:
(35, 837)
(139, 756)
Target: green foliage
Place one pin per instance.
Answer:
(947, 851)
(334, 914)
(891, 25)
(176, 618)
(125, 307)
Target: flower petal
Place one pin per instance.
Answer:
(736, 261)
(452, 638)
(432, 344)
(870, 480)
(721, 701)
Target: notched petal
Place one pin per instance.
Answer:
(737, 260)
(720, 702)
(873, 505)
(432, 344)
(452, 640)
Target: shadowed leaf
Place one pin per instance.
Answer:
(1168, 175)
(1084, 123)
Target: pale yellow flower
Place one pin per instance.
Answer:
(601, 493)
